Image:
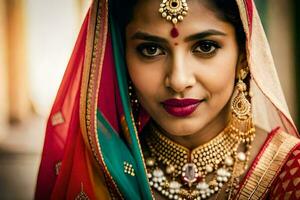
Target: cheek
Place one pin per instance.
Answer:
(220, 76)
(147, 78)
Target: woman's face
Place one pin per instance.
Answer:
(184, 83)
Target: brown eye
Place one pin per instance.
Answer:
(150, 50)
(206, 47)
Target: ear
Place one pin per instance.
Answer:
(242, 63)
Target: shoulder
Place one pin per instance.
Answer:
(287, 181)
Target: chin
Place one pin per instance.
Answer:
(180, 129)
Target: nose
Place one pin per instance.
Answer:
(180, 75)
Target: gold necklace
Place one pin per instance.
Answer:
(178, 173)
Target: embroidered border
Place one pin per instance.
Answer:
(268, 166)
(96, 39)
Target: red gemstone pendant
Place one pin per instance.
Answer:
(174, 32)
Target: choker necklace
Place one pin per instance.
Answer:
(179, 173)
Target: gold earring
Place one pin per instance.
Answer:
(133, 99)
(241, 111)
(134, 104)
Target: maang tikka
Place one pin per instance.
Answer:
(173, 11)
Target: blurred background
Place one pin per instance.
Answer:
(36, 41)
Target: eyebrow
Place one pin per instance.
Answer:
(204, 34)
(152, 38)
(146, 36)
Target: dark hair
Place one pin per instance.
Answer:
(227, 10)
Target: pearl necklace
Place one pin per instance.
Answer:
(178, 173)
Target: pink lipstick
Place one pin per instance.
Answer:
(181, 107)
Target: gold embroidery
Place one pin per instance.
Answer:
(82, 195)
(296, 181)
(270, 163)
(294, 170)
(290, 162)
(128, 169)
(275, 190)
(57, 168)
(282, 175)
(297, 194)
(285, 184)
(295, 153)
(93, 63)
(288, 195)
(57, 119)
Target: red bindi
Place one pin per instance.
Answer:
(174, 32)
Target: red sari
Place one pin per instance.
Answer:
(275, 173)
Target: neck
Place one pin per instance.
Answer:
(207, 133)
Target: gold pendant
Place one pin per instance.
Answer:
(173, 10)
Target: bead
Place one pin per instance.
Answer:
(229, 161)
(202, 186)
(218, 155)
(150, 162)
(209, 168)
(175, 185)
(158, 173)
(241, 156)
(174, 20)
(170, 169)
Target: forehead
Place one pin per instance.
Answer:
(201, 16)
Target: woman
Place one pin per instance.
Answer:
(170, 99)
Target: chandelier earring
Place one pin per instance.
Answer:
(135, 105)
(241, 110)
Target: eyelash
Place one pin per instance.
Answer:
(209, 43)
(143, 49)
(146, 46)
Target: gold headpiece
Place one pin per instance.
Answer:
(173, 10)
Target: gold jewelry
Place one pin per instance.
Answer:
(128, 169)
(241, 116)
(135, 106)
(82, 195)
(173, 10)
(178, 173)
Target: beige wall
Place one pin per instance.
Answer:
(3, 72)
(280, 35)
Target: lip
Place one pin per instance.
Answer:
(181, 107)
